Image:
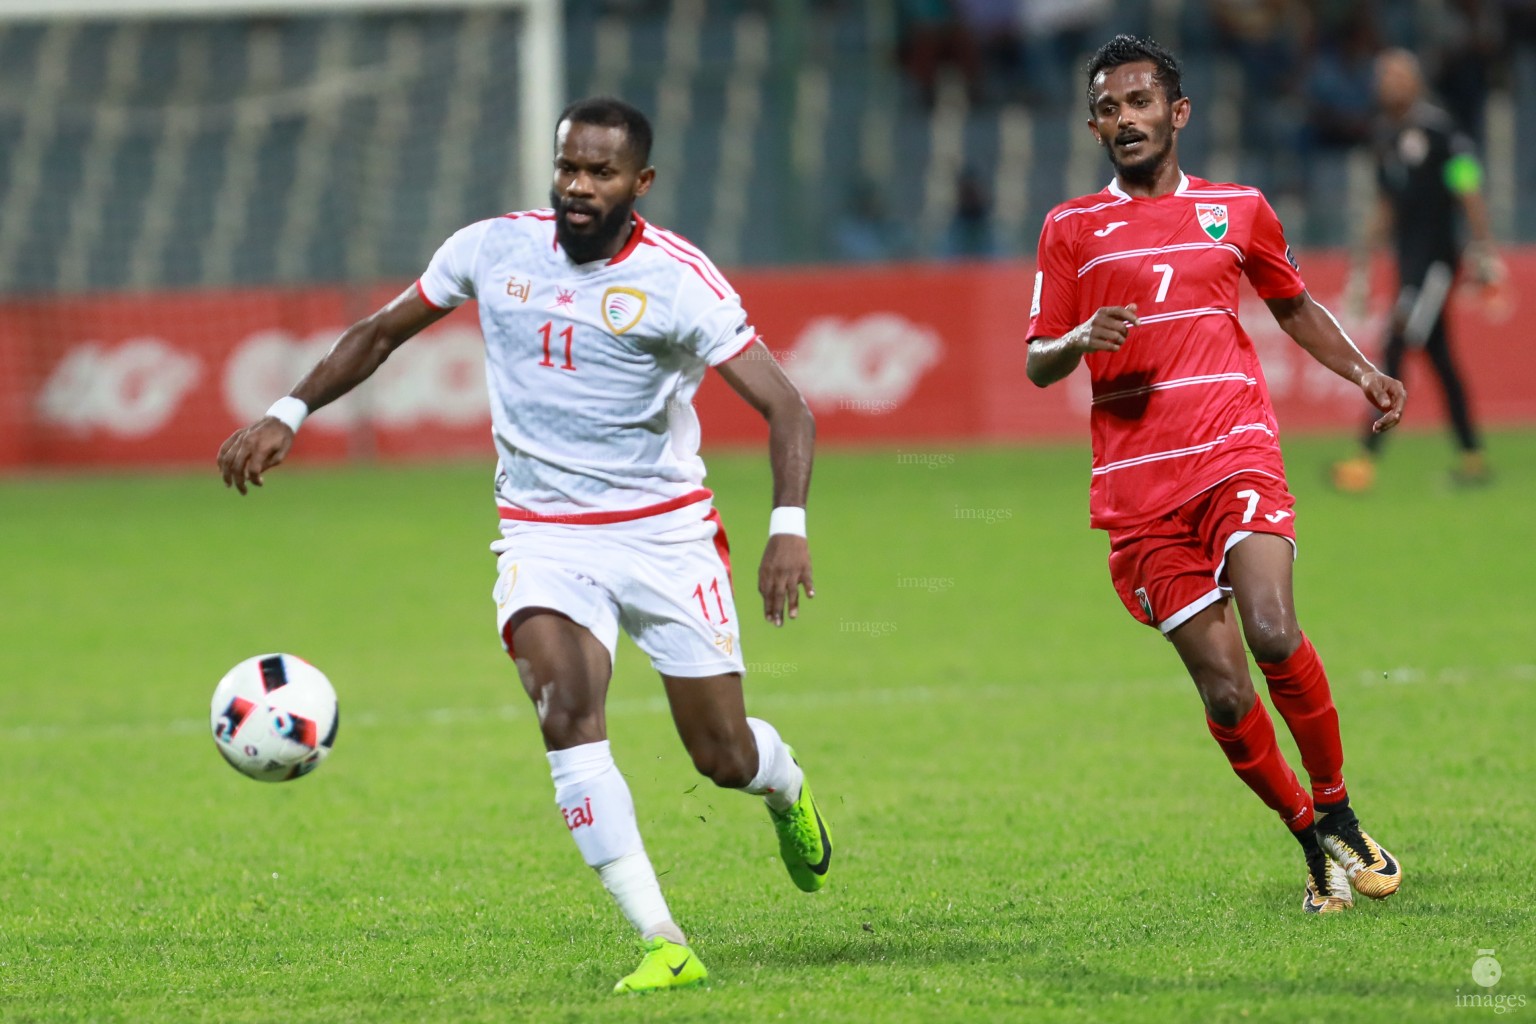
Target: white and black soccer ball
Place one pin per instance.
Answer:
(274, 717)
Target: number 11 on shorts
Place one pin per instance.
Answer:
(713, 588)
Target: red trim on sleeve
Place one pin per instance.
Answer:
(545, 215)
(697, 269)
(522, 515)
(423, 293)
(693, 253)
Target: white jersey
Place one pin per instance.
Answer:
(592, 367)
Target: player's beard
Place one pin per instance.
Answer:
(1142, 169)
(596, 241)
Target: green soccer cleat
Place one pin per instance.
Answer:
(666, 965)
(805, 842)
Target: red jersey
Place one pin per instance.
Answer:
(1183, 404)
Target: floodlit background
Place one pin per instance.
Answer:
(196, 197)
(272, 170)
(344, 145)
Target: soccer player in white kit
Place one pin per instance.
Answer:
(598, 329)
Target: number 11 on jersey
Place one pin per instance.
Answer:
(568, 336)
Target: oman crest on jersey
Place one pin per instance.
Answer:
(623, 308)
(1213, 219)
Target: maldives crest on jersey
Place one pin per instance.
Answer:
(623, 308)
(1213, 218)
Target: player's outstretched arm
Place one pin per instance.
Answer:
(1051, 359)
(1313, 328)
(786, 565)
(362, 348)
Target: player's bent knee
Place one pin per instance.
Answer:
(1272, 639)
(1228, 700)
(563, 729)
(729, 766)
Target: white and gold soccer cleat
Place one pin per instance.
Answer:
(1371, 870)
(1327, 890)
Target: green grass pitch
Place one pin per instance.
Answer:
(1032, 822)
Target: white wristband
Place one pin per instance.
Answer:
(787, 519)
(290, 412)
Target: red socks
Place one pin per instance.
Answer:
(1250, 746)
(1299, 687)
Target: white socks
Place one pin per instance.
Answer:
(778, 778)
(631, 881)
(600, 814)
(595, 802)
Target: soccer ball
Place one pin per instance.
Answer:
(274, 717)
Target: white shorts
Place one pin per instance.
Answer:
(666, 579)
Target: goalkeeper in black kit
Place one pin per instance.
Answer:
(1430, 182)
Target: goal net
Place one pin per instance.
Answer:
(196, 196)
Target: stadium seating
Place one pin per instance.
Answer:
(208, 153)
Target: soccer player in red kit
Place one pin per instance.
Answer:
(1140, 282)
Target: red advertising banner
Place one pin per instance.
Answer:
(893, 354)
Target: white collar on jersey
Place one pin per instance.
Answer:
(1116, 190)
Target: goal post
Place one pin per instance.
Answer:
(197, 196)
(541, 60)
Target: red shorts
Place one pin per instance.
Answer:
(1170, 568)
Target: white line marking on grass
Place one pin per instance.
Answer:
(622, 707)
(1447, 675)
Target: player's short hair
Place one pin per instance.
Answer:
(608, 112)
(1128, 49)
